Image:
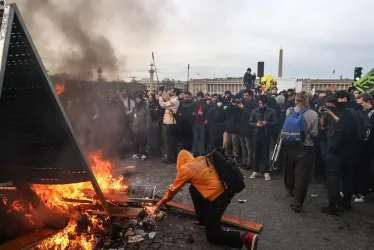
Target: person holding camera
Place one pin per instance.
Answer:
(262, 119)
(343, 153)
(245, 131)
(169, 101)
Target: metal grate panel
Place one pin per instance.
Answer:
(36, 141)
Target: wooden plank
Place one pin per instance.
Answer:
(119, 197)
(77, 201)
(8, 189)
(226, 219)
(27, 240)
(125, 212)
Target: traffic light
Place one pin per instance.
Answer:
(358, 73)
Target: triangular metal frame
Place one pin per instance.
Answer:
(37, 143)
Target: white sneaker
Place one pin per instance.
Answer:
(254, 175)
(135, 157)
(144, 158)
(360, 199)
(267, 177)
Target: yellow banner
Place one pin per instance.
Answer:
(366, 83)
(267, 82)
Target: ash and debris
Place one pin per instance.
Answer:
(171, 231)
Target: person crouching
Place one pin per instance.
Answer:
(209, 198)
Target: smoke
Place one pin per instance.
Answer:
(72, 36)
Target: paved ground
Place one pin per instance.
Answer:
(267, 204)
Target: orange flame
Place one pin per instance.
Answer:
(59, 88)
(68, 239)
(55, 195)
(17, 206)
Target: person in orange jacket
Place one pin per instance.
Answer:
(209, 198)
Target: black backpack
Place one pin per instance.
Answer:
(227, 170)
(363, 125)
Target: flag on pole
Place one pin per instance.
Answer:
(333, 71)
(314, 91)
(188, 66)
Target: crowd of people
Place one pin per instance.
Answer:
(335, 142)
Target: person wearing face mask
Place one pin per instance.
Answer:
(245, 131)
(199, 112)
(343, 155)
(141, 119)
(262, 119)
(216, 124)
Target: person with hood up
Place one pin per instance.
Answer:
(216, 124)
(343, 153)
(141, 120)
(209, 198)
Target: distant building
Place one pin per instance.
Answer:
(235, 84)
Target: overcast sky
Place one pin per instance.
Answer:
(219, 37)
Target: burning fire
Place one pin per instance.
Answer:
(59, 88)
(64, 239)
(55, 195)
(55, 198)
(17, 206)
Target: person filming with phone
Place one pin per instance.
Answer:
(262, 119)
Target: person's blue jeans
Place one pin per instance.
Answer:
(198, 140)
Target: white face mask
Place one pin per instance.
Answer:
(219, 104)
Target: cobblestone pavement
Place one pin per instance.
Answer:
(267, 204)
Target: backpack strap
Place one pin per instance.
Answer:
(292, 110)
(302, 111)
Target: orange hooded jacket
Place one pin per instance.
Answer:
(196, 171)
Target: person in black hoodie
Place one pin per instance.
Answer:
(343, 155)
(364, 178)
(216, 124)
(186, 121)
(245, 131)
(262, 119)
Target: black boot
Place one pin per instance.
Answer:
(332, 209)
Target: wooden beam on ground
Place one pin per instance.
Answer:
(28, 240)
(8, 189)
(226, 219)
(125, 212)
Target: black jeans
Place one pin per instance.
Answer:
(340, 173)
(172, 141)
(140, 143)
(210, 213)
(298, 165)
(261, 146)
